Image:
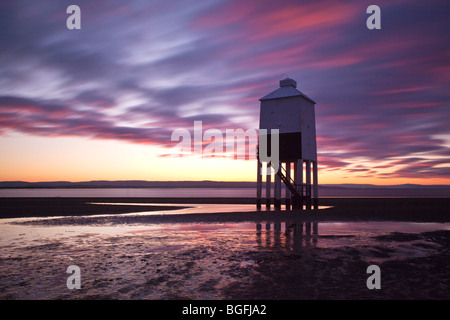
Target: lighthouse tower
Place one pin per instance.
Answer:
(292, 113)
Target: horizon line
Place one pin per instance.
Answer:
(200, 181)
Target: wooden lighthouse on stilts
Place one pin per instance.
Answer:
(288, 114)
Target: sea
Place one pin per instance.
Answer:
(121, 256)
(325, 192)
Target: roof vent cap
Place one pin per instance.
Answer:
(288, 82)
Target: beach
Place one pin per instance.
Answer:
(187, 248)
(340, 209)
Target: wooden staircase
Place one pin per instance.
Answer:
(298, 192)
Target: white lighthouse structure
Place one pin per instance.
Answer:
(296, 179)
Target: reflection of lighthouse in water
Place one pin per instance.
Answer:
(293, 237)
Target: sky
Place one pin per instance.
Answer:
(102, 102)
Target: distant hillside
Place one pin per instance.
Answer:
(188, 184)
(127, 184)
(397, 186)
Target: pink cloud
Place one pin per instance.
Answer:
(299, 17)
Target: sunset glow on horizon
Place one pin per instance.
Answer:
(101, 103)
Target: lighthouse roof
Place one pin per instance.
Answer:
(288, 88)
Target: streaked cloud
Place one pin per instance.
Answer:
(139, 69)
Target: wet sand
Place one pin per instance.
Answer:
(342, 209)
(246, 255)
